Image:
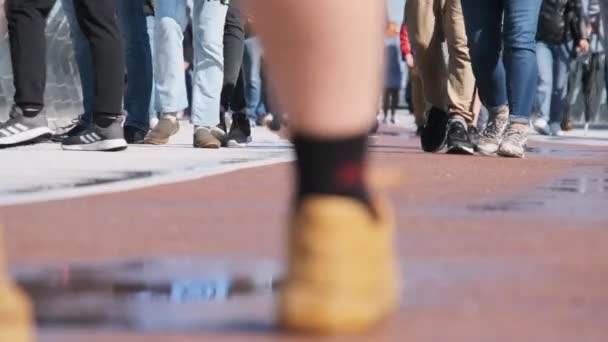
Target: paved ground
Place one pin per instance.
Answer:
(493, 249)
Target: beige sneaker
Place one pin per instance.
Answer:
(491, 137)
(167, 126)
(514, 141)
(203, 138)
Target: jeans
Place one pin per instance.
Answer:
(552, 91)
(96, 19)
(252, 77)
(510, 78)
(154, 95)
(208, 30)
(138, 57)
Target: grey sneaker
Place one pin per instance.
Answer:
(203, 138)
(167, 126)
(98, 138)
(514, 141)
(22, 129)
(491, 138)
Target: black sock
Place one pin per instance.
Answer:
(31, 111)
(105, 119)
(332, 167)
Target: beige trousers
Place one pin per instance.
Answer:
(449, 87)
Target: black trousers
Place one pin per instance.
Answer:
(233, 90)
(97, 20)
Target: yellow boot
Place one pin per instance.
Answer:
(342, 276)
(15, 309)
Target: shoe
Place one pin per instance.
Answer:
(264, 120)
(219, 131)
(240, 131)
(167, 127)
(556, 129)
(98, 138)
(393, 120)
(419, 131)
(134, 135)
(491, 138)
(21, 129)
(342, 274)
(434, 133)
(459, 140)
(474, 136)
(566, 124)
(514, 141)
(541, 126)
(16, 318)
(385, 120)
(586, 129)
(203, 138)
(74, 128)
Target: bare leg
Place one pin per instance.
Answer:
(328, 77)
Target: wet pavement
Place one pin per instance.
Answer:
(492, 249)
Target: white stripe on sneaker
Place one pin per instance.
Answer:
(5, 132)
(84, 139)
(13, 130)
(97, 137)
(21, 127)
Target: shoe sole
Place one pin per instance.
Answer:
(110, 145)
(32, 135)
(236, 144)
(424, 137)
(208, 146)
(462, 150)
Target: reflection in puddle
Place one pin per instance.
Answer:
(582, 185)
(150, 293)
(118, 177)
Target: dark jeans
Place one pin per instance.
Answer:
(233, 94)
(97, 20)
(508, 78)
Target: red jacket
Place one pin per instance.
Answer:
(406, 46)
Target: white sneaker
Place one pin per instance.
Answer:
(556, 129)
(586, 128)
(541, 126)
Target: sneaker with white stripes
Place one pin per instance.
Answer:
(22, 129)
(98, 138)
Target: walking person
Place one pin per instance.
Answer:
(561, 31)
(506, 89)
(393, 78)
(449, 89)
(28, 122)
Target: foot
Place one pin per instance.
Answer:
(134, 135)
(342, 275)
(393, 120)
(556, 129)
(459, 140)
(240, 131)
(70, 130)
(167, 127)
(586, 128)
(491, 138)
(434, 133)
(203, 138)
(22, 129)
(385, 120)
(541, 126)
(109, 138)
(514, 141)
(566, 124)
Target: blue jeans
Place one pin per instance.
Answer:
(138, 57)
(552, 90)
(508, 78)
(252, 72)
(208, 18)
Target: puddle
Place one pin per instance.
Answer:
(116, 177)
(149, 294)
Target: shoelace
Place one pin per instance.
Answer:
(493, 128)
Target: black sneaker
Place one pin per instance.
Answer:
(458, 138)
(240, 131)
(434, 134)
(97, 138)
(74, 128)
(23, 129)
(134, 135)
